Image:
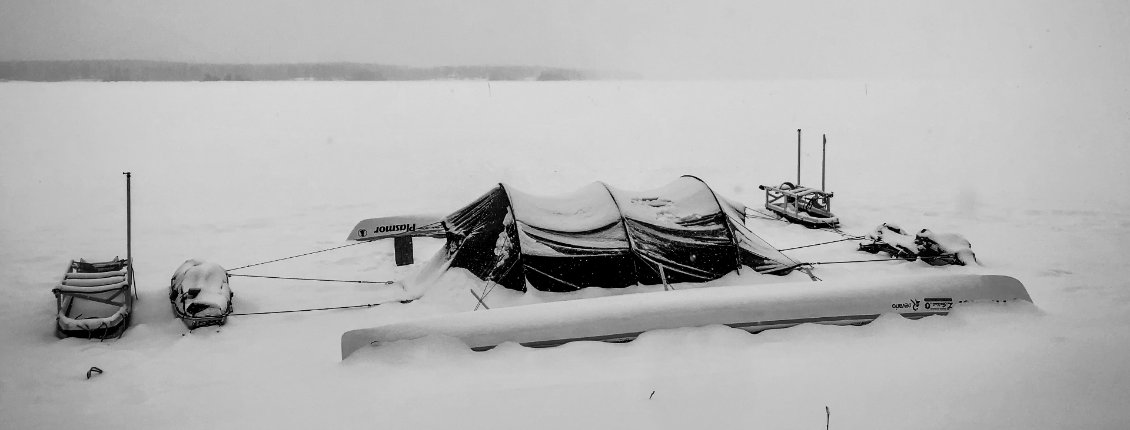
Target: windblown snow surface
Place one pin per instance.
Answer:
(1032, 173)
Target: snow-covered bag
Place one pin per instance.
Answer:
(199, 289)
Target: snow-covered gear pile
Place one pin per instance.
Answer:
(200, 294)
(944, 248)
(937, 249)
(601, 236)
(94, 299)
(892, 240)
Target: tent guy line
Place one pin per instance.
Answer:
(314, 279)
(823, 243)
(295, 256)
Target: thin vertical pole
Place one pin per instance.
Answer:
(798, 157)
(823, 162)
(129, 231)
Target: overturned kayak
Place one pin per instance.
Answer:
(200, 294)
(752, 308)
(94, 299)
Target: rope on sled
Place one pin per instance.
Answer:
(314, 279)
(299, 255)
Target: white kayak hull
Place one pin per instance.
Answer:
(752, 308)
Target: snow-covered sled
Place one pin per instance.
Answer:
(94, 299)
(751, 308)
(936, 249)
(200, 294)
(802, 205)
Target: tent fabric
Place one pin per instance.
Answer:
(600, 236)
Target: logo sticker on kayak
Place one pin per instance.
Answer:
(938, 304)
(930, 304)
(395, 228)
(911, 304)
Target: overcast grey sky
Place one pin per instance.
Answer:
(661, 39)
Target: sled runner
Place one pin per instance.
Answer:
(94, 299)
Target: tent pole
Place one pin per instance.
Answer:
(624, 224)
(129, 232)
(823, 162)
(798, 157)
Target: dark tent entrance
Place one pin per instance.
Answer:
(600, 236)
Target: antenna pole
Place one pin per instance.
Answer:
(824, 162)
(129, 229)
(798, 157)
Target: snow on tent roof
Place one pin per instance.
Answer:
(588, 208)
(599, 236)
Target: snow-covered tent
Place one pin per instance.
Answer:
(599, 236)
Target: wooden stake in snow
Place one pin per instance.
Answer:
(824, 162)
(480, 299)
(827, 417)
(798, 157)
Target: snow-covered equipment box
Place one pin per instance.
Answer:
(94, 299)
(600, 236)
(937, 249)
(751, 308)
(802, 205)
(200, 294)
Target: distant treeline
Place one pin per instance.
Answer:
(138, 70)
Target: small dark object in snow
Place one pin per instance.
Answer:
(652, 395)
(93, 371)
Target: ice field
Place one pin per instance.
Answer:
(1033, 173)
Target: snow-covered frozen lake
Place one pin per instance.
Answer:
(1032, 173)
